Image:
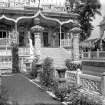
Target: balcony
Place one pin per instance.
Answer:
(24, 51)
(66, 43)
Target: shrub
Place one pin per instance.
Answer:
(15, 58)
(34, 70)
(73, 96)
(46, 76)
(76, 97)
(60, 93)
(72, 66)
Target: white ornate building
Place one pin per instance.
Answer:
(47, 31)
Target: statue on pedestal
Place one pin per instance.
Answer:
(31, 46)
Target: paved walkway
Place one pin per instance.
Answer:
(26, 93)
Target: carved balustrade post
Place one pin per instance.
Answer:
(76, 31)
(97, 53)
(89, 54)
(78, 77)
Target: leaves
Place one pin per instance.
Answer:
(87, 10)
(47, 74)
(72, 66)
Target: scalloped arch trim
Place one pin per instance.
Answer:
(37, 14)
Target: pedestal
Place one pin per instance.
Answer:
(76, 31)
(36, 30)
(37, 45)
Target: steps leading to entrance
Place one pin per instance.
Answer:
(59, 55)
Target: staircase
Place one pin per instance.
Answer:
(59, 55)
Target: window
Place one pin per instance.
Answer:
(3, 34)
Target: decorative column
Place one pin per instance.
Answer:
(75, 31)
(36, 30)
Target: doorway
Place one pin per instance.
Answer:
(45, 39)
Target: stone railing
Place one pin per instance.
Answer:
(5, 65)
(54, 8)
(24, 51)
(21, 5)
(4, 41)
(93, 55)
(5, 52)
(66, 42)
(89, 83)
(5, 62)
(12, 4)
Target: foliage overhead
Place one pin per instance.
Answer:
(86, 10)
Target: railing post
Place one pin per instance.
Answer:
(78, 77)
(98, 53)
(89, 54)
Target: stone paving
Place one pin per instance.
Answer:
(25, 93)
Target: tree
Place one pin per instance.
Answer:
(15, 58)
(86, 10)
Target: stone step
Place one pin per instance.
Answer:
(59, 55)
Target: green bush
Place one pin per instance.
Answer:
(75, 97)
(93, 63)
(72, 66)
(60, 93)
(46, 76)
(34, 69)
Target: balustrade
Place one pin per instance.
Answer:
(11, 4)
(88, 82)
(93, 55)
(4, 41)
(53, 8)
(24, 51)
(66, 42)
(14, 4)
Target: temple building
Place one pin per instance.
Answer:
(45, 30)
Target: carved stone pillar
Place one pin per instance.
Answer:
(75, 31)
(36, 30)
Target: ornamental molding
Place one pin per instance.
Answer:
(36, 15)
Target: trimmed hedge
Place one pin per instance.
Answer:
(72, 66)
(93, 63)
